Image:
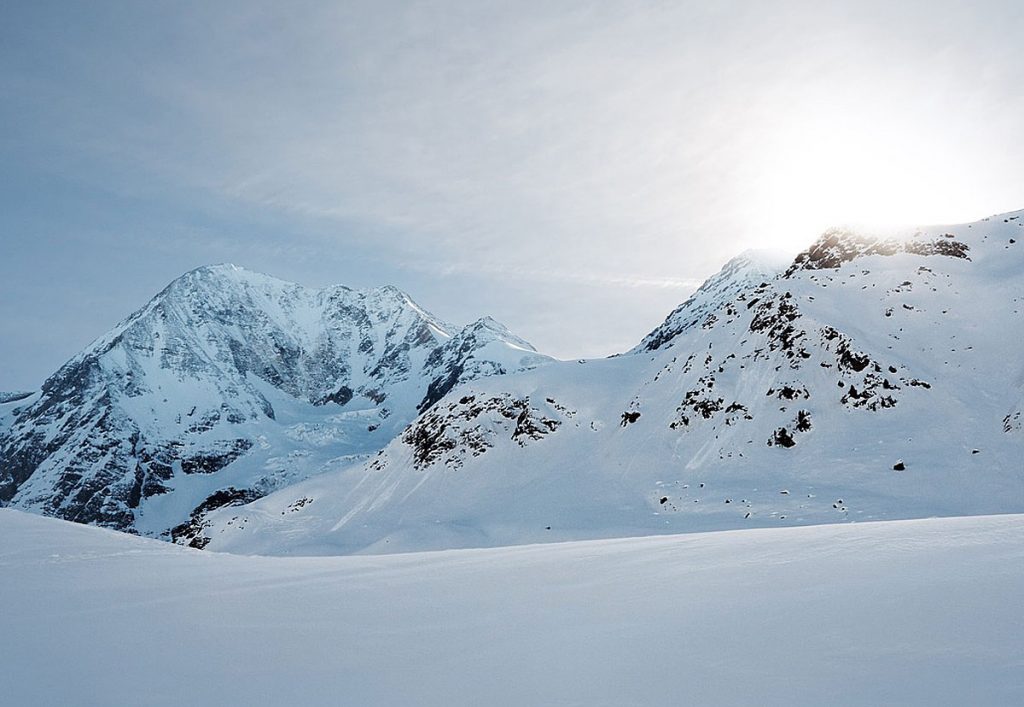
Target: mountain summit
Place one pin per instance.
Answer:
(226, 385)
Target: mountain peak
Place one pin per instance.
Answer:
(230, 367)
(499, 332)
(226, 271)
(766, 258)
(749, 268)
(839, 245)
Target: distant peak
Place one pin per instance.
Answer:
(759, 263)
(749, 268)
(488, 322)
(492, 328)
(217, 268)
(390, 291)
(228, 271)
(769, 258)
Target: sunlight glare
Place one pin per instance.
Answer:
(868, 172)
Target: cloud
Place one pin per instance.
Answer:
(551, 275)
(628, 146)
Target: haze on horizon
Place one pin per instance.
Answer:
(574, 172)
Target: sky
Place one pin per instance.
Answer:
(573, 169)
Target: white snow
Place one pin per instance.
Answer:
(914, 612)
(223, 355)
(939, 383)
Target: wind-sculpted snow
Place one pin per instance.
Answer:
(229, 384)
(923, 612)
(865, 382)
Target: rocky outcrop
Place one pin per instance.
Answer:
(470, 426)
(839, 246)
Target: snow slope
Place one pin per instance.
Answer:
(229, 384)
(921, 612)
(869, 379)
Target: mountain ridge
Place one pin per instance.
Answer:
(862, 379)
(185, 386)
(875, 380)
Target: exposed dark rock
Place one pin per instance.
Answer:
(375, 395)
(342, 396)
(775, 318)
(803, 421)
(629, 418)
(782, 438)
(1012, 422)
(789, 392)
(190, 532)
(949, 248)
(210, 462)
(468, 428)
(440, 387)
(837, 246)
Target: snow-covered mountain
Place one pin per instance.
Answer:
(742, 273)
(227, 385)
(868, 379)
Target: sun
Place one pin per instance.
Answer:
(875, 173)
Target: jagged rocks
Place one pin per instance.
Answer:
(191, 532)
(341, 396)
(948, 248)
(775, 317)
(716, 297)
(782, 438)
(803, 421)
(532, 427)
(847, 359)
(698, 402)
(789, 392)
(1013, 422)
(837, 246)
(469, 427)
(868, 396)
(212, 461)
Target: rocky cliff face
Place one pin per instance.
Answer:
(869, 379)
(227, 385)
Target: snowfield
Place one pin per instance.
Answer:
(910, 612)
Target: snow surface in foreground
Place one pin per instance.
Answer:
(911, 612)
